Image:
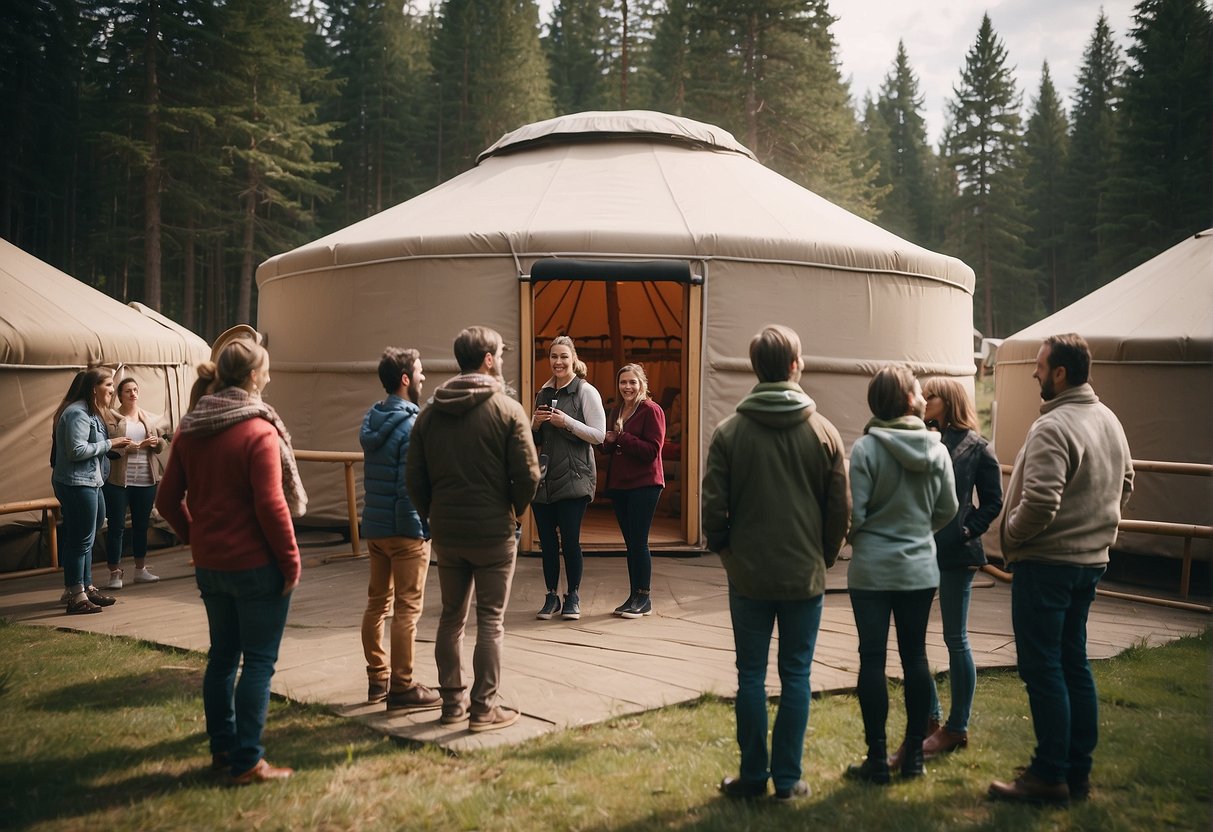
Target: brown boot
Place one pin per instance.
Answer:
(263, 772)
(943, 741)
(1029, 788)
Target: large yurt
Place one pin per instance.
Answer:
(1151, 338)
(51, 327)
(643, 236)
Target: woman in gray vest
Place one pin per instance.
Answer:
(568, 423)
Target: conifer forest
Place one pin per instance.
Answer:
(159, 150)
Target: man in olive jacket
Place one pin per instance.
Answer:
(472, 469)
(776, 505)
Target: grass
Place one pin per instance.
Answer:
(106, 733)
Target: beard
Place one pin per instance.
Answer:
(1047, 389)
(414, 393)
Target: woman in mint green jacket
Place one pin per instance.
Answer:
(902, 491)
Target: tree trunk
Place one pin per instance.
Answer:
(244, 300)
(189, 310)
(151, 177)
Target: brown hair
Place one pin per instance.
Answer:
(394, 364)
(473, 344)
(640, 374)
(1071, 352)
(958, 409)
(238, 358)
(889, 392)
(579, 368)
(82, 389)
(123, 383)
(772, 352)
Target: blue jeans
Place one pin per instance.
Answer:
(910, 609)
(753, 623)
(955, 590)
(83, 514)
(140, 499)
(634, 509)
(565, 515)
(1049, 606)
(246, 612)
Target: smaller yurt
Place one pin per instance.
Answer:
(1151, 337)
(51, 327)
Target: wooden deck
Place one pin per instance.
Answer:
(559, 673)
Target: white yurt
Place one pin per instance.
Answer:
(51, 327)
(1151, 338)
(643, 236)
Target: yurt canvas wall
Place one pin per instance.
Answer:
(1151, 338)
(51, 327)
(689, 230)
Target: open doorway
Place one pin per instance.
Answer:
(642, 319)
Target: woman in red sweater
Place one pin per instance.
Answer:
(635, 478)
(228, 491)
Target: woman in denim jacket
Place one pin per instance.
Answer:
(78, 456)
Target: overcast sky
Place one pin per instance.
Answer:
(939, 33)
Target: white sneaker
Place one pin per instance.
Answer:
(142, 576)
(115, 579)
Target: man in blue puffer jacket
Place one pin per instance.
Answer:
(397, 538)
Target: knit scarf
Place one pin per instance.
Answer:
(217, 412)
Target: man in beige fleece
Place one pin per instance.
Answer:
(472, 470)
(1071, 479)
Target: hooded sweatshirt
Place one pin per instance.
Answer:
(775, 502)
(472, 467)
(902, 492)
(388, 511)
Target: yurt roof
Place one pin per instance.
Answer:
(50, 319)
(621, 185)
(1160, 312)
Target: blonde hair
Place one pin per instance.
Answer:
(639, 371)
(579, 368)
(237, 359)
(958, 409)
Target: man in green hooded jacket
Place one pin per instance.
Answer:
(776, 505)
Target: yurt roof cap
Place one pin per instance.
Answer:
(617, 125)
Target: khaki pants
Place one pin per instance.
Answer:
(491, 570)
(398, 569)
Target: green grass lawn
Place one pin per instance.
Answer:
(104, 733)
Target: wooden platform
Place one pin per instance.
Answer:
(560, 674)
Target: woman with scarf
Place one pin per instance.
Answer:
(229, 491)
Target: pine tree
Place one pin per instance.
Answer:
(490, 77)
(670, 58)
(1046, 143)
(767, 71)
(576, 46)
(1092, 158)
(910, 205)
(986, 150)
(1160, 193)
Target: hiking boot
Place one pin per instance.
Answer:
(1030, 788)
(571, 610)
(416, 698)
(376, 690)
(739, 789)
(143, 576)
(798, 790)
(263, 772)
(874, 769)
(115, 579)
(619, 609)
(1080, 789)
(499, 717)
(638, 606)
(551, 606)
(97, 598)
(944, 741)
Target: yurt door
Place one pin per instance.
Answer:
(619, 313)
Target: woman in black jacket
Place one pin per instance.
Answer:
(958, 547)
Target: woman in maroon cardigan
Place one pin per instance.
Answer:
(635, 478)
(229, 490)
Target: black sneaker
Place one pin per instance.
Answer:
(619, 609)
(739, 789)
(571, 610)
(640, 605)
(551, 606)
